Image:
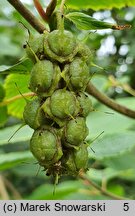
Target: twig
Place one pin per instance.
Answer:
(103, 191)
(51, 7)
(8, 101)
(34, 22)
(3, 191)
(62, 6)
(11, 187)
(92, 90)
(41, 10)
(124, 86)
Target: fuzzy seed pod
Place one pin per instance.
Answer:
(81, 157)
(47, 111)
(46, 147)
(75, 132)
(84, 53)
(85, 104)
(75, 161)
(79, 75)
(35, 46)
(60, 46)
(43, 77)
(63, 104)
(68, 165)
(59, 78)
(33, 115)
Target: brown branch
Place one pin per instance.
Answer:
(102, 191)
(51, 7)
(34, 22)
(12, 188)
(3, 191)
(41, 10)
(92, 90)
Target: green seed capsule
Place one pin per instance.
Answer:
(84, 53)
(81, 157)
(47, 111)
(41, 76)
(85, 104)
(60, 46)
(35, 46)
(68, 164)
(63, 104)
(75, 132)
(65, 45)
(44, 78)
(33, 115)
(46, 147)
(74, 161)
(79, 74)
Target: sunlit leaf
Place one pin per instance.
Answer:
(112, 145)
(97, 5)
(13, 159)
(22, 67)
(86, 22)
(23, 135)
(21, 80)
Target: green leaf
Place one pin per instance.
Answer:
(86, 194)
(3, 110)
(67, 190)
(62, 190)
(21, 80)
(106, 174)
(122, 162)
(116, 189)
(86, 22)
(30, 170)
(22, 67)
(12, 159)
(112, 145)
(2, 92)
(128, 175)
(99, 120)
(97, 5)
(23, 135)
(7, 48)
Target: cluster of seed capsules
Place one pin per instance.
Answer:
(58, 114)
